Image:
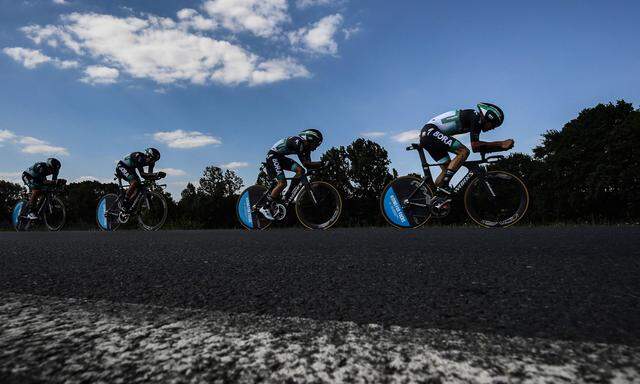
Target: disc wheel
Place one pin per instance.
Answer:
(404, 203)
(153, 211)
(497, 200)
(55, 214)
(319, 206)
(247, 215)
(107, 212)
(18, 218)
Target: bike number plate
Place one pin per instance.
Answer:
(393, 209)
(15, 216)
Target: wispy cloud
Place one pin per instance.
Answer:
(373, 134)
(312, 3)
(93, 178)
(407, 136)
(32, 58)
(235, 165)
(186, 139)
(319, 37)
(263, 18)
(32, 145)
(96, 74)
(173, 172)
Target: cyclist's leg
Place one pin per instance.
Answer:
(123, 172)
(275, 170)
(439, 145)
(293, 166)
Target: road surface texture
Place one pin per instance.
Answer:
(352, 305)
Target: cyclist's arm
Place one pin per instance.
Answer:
(491, 146)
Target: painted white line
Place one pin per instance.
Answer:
(69, 340)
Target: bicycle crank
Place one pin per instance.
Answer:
(279, 212)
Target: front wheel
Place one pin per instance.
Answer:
(319, 205)
(55, 214)
(18, 218)
(497, 199)
(405, 202)
(246, 208)
(153, 211)
(107, 212)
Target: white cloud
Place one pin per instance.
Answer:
(173, 171)
(319, 37)
(407, 136)
(92, 178)
(60, 2)
(373, 134)
(190, 18)
(184, 139)
(6, 135)
(260, 17)
(351, 31)
(96, 74)
(162, 49)
(313, 3)
(235, 165)
(14, 177)
(32, 145)
(30, 58)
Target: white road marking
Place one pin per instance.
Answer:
(71, 340)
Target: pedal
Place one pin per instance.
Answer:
(123, 218)
(280, 212)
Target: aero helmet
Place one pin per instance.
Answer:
(152, 153)
(53, 163)
(312, 136)
(491, 113)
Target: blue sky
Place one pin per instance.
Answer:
(217, 82)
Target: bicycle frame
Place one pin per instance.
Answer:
(474, 167)
(143, 191)
(291, 194)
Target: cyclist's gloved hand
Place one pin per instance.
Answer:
(161, 175)
(507, 144)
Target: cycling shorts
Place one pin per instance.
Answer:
(277, 164)
(438, 144)
(126, 173)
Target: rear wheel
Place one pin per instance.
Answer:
(246, 210)
(107, 212)
(153, 211)
(497, 199)
(319, 206)
(18, 218)
(405, 203)
(54, 214)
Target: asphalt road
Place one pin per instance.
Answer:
(577, 284)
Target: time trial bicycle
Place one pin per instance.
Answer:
(149, 207)
(318, 204)
(492, 198)
(50, 211)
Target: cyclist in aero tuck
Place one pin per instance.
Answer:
(437, 138)
(36, 179)
(277, 162)
(127, 169)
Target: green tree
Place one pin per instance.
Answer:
(9, 196)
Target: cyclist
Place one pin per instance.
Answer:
(277, 162)
(437, 138)
(36, 179)
(126, 169)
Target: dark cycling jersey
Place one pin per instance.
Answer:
(437, 135)
(126, 168)
(36, 175)
(277, 160)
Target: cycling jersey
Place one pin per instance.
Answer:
(437, 135)
(277, 162)
(36, 175)
(126, 168)
(458, 122)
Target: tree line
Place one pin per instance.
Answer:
(585, 172)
